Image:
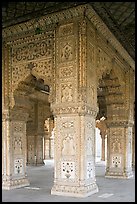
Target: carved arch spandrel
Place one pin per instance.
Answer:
(41, 65)
(103, 63)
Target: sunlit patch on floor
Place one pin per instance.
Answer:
(106, 195)
(32, 188)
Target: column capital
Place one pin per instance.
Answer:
(80, 109)
(119, 123)
(18, 115)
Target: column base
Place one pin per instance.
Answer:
(124, 175)
(74, 191)
(16, 183)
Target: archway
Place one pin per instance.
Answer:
(30, 97)
(112, 103)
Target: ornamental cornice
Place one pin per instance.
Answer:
(19, 115)
(45, 22)
(9, 115)
(119, 124)
(80, 109)
(53, 19)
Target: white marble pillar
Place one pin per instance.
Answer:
(14, 150)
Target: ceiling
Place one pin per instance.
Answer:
(118, 16)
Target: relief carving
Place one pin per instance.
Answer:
(116, 145)
(66, 52)
(43, 69)
(103, 63)
(67, 94)
(32, 51)
(17, 145)
(68, 146)
(92, 54)
(18, 127)
(68, 124)
(66, 72)
(66, 30)
(19, 72)
(116, 140)
(89, 147)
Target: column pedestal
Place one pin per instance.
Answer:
(75, 191)
(74, 156)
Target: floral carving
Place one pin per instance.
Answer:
(18, 166)
(66, 53)
(68, 146)
(33, 50)
(66, 30)
(67, 95)
(66, 72)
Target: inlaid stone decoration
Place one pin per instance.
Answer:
(66, 52)
(18, 166)
(67, 93)
(90, 170)
(68, 170)
(66, 30)
(66, 72)
(18, 129)
(116, 161)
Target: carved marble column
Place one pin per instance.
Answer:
(103, 131)
(35, 130)
(75, 113)
(120, 126)
(103, 148)
(119, 152)
(14, 143)
(48, 139)
(14, 150)
(74, 155)
(133, 146)
(133, 136)
(31, 129)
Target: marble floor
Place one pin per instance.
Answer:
(41, 182)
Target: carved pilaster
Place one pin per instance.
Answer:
(35, 132)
